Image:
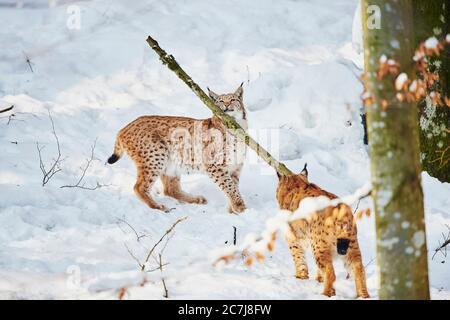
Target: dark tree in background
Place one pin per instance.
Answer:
(432, 18)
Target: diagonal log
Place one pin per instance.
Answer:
(233, 127)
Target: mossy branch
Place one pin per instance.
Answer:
(228, 121)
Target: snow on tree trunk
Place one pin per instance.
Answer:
(432, 18)
(394, 152)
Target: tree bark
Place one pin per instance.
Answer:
(432, 18)
(232, 126)
(394, 154)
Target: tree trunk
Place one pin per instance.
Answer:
(232, 126)
(394, 153)
(432, 18)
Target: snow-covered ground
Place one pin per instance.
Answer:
(298, 64)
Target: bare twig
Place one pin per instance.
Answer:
(13, 116)
(357, 206)
(138, 237)
(158, 267)
(166, 292)
(161, 239)
(234, 235)
(80, 184)
(27, 59)
(133, 256)
(442, 246)
(55, 165)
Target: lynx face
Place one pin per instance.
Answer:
(230, 103)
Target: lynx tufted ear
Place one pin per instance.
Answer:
(212, 95)
(240, 91)
(305, 171)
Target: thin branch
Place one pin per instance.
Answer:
(158, 267)
(442, 247)
(357, 206)
(84, 169)
(138, 237)
(233, 127)
(55, 166)
(27, 59)
(133, 256)
(166, 292)
(161, 239)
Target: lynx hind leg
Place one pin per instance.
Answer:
(172, 189)
(298, 255)
(354, 265)
(319, 276)
(325, 264)
(226, 183)
(297, 245)
(145, 180)
(150, 162)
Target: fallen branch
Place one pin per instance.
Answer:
(233, 127)
(168, 231)
(55, 166)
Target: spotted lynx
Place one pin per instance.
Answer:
(328, 232)
(166, 147)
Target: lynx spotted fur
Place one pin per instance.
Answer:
(329, 232)
(166, 147)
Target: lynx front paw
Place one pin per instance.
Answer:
(329, 293)
(302, 275)
(364, 295)
(319, 277)
(163, 208)
(237, 207)
(200, 200)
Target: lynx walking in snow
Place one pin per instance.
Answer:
(166, 147)
(328, 231)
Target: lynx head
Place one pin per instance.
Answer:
(294, 188)
(231, 103)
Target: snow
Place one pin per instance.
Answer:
(301, 85)
(383, 58)
(400, 81)
(431, 43)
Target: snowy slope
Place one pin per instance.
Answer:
(299, 85)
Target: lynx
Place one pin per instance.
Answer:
(166, 147)
(329, 232)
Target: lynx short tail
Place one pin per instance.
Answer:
(117, 152)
